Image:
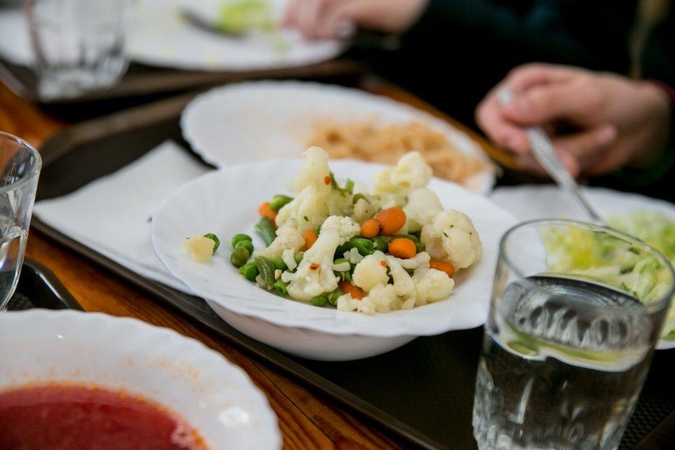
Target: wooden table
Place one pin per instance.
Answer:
(306, 418)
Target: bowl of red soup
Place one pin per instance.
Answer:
(70, 379)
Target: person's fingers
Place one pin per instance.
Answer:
(587, 150)
(536, 74)
(494, 125)
(307, 17)
(289, 16)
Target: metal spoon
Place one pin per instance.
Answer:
(545, 153)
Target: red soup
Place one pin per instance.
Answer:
(65, 416)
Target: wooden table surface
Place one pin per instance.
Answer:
(306, 418)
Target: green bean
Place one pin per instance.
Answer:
(320, 300)
(266, 230)
(278, 201)
(266, 268)
(298, 257)
(281, 287)
(215, 239)
(249, 270)
(363, 245)
(333, 296)
(239, 256)
(340, 261)
(248, 245)
(240, 237)
(381, 243)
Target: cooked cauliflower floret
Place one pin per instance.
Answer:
(371, 271)
(452, 237)
(419, 260)
(393, 184)
(288, 238)
(431, 285)
(346, 227)
(315, 198)
(423, 205)
(403, 283)
(315, 272)
(200, 247)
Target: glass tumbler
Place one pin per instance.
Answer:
(79, 45)
(575, 315)
(20, 165)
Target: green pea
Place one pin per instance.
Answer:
(278, 201)
(249, 271)
(320, 300)
(239, 256)
(420, 247)
(215, 239)
(240, 237)
(363, 245)
(280, 264)
(248, 245)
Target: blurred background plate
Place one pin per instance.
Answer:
(255, 120)
(163, 37)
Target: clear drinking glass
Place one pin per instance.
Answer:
(79, 45)
(20, 166)
(575, 315)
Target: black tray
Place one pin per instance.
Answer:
(38, 287)
(144, 84)
(422, 392)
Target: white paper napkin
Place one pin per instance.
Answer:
(111, 215)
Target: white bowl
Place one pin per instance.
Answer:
(198, 384)
(225, 202)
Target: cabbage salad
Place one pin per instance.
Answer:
(585, 252)
(341, 245)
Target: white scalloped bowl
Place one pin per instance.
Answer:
(225, 202)
(181, 374)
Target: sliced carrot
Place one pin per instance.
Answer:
(370, 228)
(348, 288)
(391, 220)
(443, 266)
(266, 210)
(402, 248)
(310, 237)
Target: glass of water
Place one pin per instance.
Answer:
(20, 165)
(575, 315)
(79, 45)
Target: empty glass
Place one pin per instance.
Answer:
(79, 45)
(20, 166)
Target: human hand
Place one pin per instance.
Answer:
(327, 19)
(598, 122)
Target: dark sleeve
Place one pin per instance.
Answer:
(658, 56)
(590, 33)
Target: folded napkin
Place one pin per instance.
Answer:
(112, 214)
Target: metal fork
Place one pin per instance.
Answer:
(545, 153)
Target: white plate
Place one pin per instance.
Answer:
(536, 202)
(211, 394)
(225, 202)
(161, 37)
(254, 120)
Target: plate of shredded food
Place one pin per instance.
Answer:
(221, 35)
(333, 262)
(649, 219)
(255, 120)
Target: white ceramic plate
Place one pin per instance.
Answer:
(255, 120)
(161, 37)
(211, 394)
(225, 202)
(536, 202)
